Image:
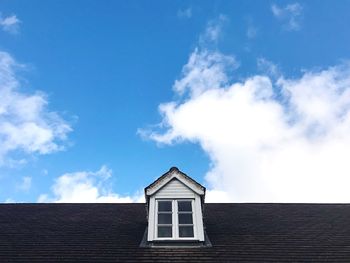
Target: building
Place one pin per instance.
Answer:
(175, 225)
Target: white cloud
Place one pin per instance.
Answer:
(26, 183)
(267, 67)
(87, 187)
(185, 13)
(269, 141)
(27, 126)
(203, 71)
(252, 31)
(289, 15)
(217, 196)
(213, 30)
(10, 24)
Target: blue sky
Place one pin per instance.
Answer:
(109, 95)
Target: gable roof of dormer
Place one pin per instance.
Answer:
(174, 173)
(172, 188)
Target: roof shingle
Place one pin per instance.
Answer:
(113, 232)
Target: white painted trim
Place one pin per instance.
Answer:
(199, 218)
(176, 220)
(194, 187)
(151, 219)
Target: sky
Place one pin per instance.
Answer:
(100, 98)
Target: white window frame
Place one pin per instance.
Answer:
(175, 223)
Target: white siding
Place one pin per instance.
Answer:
(175, 189)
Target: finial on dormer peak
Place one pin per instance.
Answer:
(174, 168)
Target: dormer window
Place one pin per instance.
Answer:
(185, 218)
(165, 226)
(174, 203)
(175, 219)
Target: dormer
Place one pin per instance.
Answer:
(175, 203)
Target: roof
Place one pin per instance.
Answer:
(112, 233)
(174, 172)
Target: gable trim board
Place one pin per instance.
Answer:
(174, 172)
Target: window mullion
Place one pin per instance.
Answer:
(156, 219)
(175, 219)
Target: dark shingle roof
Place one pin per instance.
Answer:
(112, 233)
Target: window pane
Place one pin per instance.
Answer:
(184, 206)
(164, 206)
(186, 231)
(165, 231)
(185, 218)
(165, 218)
